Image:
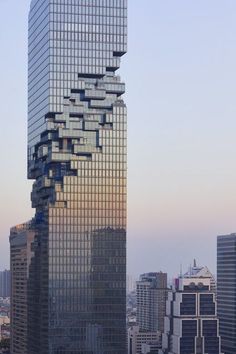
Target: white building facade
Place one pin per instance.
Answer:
(191, 323)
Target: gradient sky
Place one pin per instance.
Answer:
(181, 84)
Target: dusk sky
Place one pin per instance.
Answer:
(180, 73)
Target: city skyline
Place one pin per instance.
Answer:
(191, 161)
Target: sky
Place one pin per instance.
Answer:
(180, 74)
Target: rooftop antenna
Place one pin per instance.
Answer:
(181, 271)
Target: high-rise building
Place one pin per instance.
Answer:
(226, 291)
(77, 159)
(151, 301)
(151, 292)
(191, 323)
(21, 252)
(5, 283)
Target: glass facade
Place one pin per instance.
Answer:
(77, 157)
(211, 340)
(207, 305)
(189, 335)
(188, 305)
(226, 291)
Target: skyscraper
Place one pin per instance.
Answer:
(77, 157)
(226, 291)
(191, 323)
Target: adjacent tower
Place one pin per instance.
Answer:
(226, 291)
(21, 239)
(77, 159)
(151, 301)
(151, 304)
(191, 323)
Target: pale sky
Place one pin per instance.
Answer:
(181, 84)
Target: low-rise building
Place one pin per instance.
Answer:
(137, 337)
(151, 347)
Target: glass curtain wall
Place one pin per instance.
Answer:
(77, 159)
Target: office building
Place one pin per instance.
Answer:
(77, 159)
(5, 283)
(226, 291)
(21, 252)
(191, 323)
(151, 301)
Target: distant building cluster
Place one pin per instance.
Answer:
(5, 328)
(194, 315)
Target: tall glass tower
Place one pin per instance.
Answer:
(77, 159)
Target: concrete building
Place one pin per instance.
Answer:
(151, 292)
(226, 291)
(151, 347)
(5, 283)
(191, 323)
(137, 338)
(21, 241)
(151, 300)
